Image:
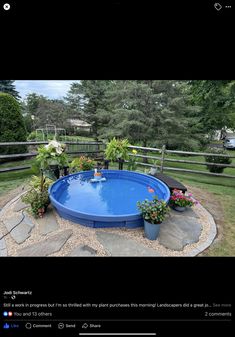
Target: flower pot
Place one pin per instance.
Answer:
(151, 230)
(179, 208)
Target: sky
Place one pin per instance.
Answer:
(54, 89)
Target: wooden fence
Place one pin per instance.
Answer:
(162, 159)
(73, 148)
(97, 148)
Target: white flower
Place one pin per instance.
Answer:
(54, 143)
(59, 151)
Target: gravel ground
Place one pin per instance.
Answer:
(87, 236)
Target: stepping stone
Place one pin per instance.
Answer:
(19, 205)
(49, 246)
(27, 220)
(177, 232)
(188, 212)
(118, 245)
(83, 251)
(21, 232)
(13, 221)
(3, 247)
(48, 223)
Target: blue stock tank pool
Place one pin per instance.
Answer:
(109, 203)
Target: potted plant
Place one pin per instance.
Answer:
(52, 157)
(82, 164)
(153, 212)
(117, 150)
(37, 197)
(179, 201)
(132, 161)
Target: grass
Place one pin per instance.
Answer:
(225, 194)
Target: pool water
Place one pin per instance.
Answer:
(110, 197)
(105, 203)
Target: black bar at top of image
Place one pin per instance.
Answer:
(88, 9)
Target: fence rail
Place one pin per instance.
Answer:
(82, 149)
(163, 159)
(94, 147)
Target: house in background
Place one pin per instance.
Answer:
(79, 125)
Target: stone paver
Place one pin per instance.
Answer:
(21, 232)
(119, 245)
(23, 227)
(189, 212)
(176, 232)
(13, 221)
(27, 220)
(83, 251)
(49, 246)
(3, 247)
(19, 205)
(48, 223)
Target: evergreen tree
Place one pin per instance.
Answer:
(216, 98)
(8, 87)
(12, 128)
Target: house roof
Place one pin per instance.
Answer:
(78, 122)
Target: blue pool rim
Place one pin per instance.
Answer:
(99, 221)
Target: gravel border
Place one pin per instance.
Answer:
(87, 236)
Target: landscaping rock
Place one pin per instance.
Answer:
(3, 247)
(189, 212)
(49, 246)
(19, 205)
(118, 245)
(21, 232)
(27, 220)
(13, 221)
(48, 223)
(83, 251)
(177, 232)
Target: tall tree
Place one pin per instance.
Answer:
(8, 87)
(86, 98)
(12, 126)
(217, 100)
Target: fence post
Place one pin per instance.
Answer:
(162, 159)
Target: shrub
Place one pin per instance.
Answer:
(11, 124)
(82, 164)
(217, 160)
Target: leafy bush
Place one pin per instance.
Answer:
(117, 149)
(12, 128)
(217, 160)
(35, 136)
(82, 164)
(132, 166)
(37, 197)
